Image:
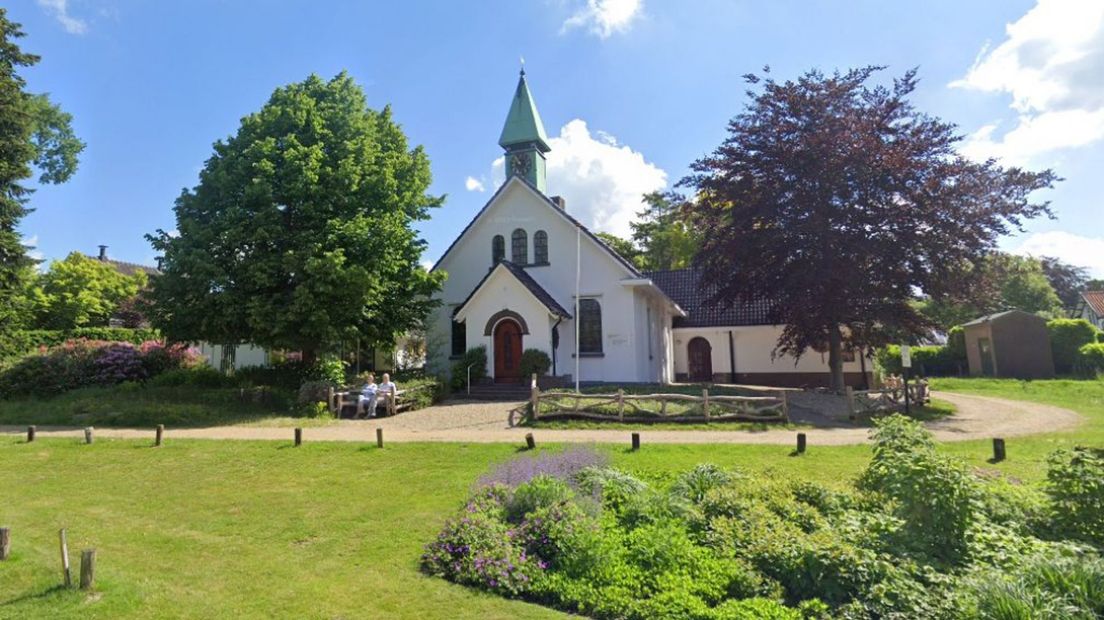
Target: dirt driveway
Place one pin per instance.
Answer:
(978, 417)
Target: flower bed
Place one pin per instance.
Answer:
(918, 536)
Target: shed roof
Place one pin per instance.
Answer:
(997, 316)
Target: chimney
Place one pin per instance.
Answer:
(103, 252)
(559, 202)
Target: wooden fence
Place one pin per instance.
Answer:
(650, 408)
(868, 403)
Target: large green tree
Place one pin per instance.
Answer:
(81, 292)
(666, 238)
(300, 232)
(1004, 281)
(834, 201)
(34, 133)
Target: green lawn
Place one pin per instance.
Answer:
(210, 529)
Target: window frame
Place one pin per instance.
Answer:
(460, 329)
(519, 247)
(498, 249)
(590, 326)
(540, 248)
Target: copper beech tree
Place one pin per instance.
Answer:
(838, 201)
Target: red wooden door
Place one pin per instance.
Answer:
(507, 351)
(700, 359)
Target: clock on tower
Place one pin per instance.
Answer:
(524, 139)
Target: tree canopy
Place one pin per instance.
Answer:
(299, 234)
(81, 292)
(33, 133)
(662, 238)
(1004, 281)
(835, 201)
(1068, 280)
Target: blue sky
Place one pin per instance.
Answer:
(631, 92)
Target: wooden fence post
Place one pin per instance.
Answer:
(534, 397)
(530, 443)
(88, 434)
(849, 393)
(391, 402)
(620, 405)
(298, 436)
(331, 406)
(635, 441)
(705, 402)
(158, 435)
(379, 437)
(801, 443)
(5, 542)
(786, 406)
(31, 433)
(88, 569)
(998, 450)
(67, 575)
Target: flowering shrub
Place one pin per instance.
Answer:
(81, 363)
(919, 537)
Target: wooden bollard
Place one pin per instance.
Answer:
(801, 443)
(999, 453)
(159, 434)
(88, 569)
(298, 436)
(379, 437)
(31, 430)
(66, 575)
(529, 441)
(635, 441)
(5, 542)
(88, 434)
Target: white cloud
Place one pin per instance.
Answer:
(473, 184)
(1087, 252)
(60, 10)
(604, 17)
(1052, 65)
(602, 181)
(31, 244)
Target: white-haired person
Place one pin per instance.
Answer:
(386, 388)
(366, 400)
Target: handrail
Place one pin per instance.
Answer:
(469, 377)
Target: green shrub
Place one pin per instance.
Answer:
(933, 495)
(1047, 587)
(1091, 360)
(927, 361)
(314, 392)
(22, 342)
(540, 492)
(1075, 483)
(1067, 336)
(200, 377)
(535, 362)
(694, 484)
(476, 358)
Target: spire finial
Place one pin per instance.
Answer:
(522, 58)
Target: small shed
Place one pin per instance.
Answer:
(1013, 344)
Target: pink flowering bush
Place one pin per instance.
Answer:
(82, 363)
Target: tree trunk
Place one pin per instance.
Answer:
(835, 357)
(310, 356)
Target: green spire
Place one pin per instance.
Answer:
(523, 123)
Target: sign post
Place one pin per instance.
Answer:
(906, 364)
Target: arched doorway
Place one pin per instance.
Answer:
(700, 359)
(507, 351)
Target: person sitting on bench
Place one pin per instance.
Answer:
(366, 400)
(386, 388)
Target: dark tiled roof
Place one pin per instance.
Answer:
(683, 287)
(1095, 301)
(528, 282)
(125, 268)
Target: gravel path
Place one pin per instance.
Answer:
(978, 417)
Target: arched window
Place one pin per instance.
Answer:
(498, 249)
(590, 326)
(540, 248)
(519, 247)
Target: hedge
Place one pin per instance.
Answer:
(1092, 358)
(927, 361)
(24, 341)
(1067, 336)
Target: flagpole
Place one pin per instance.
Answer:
(578, 272)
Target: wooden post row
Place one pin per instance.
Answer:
(67, 576)
(530, 442)
(31, 433)
(88, 569)
(298, 436)
(635, 441)
(5, 542)
(88, 434)
(801, 443)
(998, 449)
(379, 437)
(159, 434)
(705, 402)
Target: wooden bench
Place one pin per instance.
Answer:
(343, 403)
